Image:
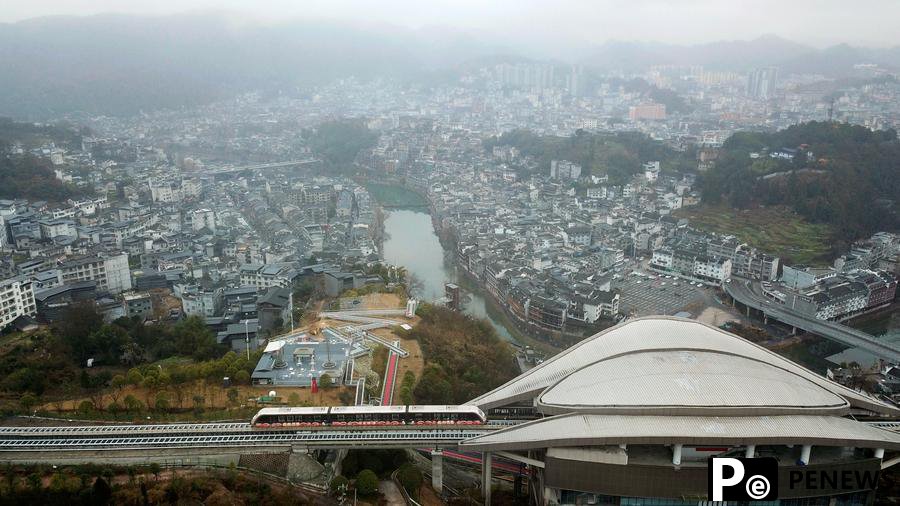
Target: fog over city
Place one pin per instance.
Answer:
(540, 23)
(517, 252)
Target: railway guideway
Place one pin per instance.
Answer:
(225, 436)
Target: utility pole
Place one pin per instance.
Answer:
(291, 304)
(247, 336)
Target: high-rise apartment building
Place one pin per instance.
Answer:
(761, 83)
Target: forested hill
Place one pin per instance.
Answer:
(32, 135)
(618, 155)
(29, 176)
(844, 175)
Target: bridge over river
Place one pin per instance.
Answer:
(749, 294)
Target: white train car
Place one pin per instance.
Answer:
(363, 416)
(290, 417)
(445, 415)
(367, 415)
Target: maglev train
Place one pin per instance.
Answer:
(355, 416)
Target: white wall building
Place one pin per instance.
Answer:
(16, 299)
(111, 273)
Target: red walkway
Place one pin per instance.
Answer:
(390, 377)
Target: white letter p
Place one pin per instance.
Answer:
(718, 482)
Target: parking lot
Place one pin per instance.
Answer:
(662, 295)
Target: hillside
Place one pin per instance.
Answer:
(29, 176)
(841, 175)
(741, 55)
(618, 155)
(464, 357)
(735, 54)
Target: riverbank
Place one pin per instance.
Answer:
(495, 311)
(883, 321)
(549, 342)
(414, 250)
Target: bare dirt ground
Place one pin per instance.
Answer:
(392, 495)
(414, 362)
(716, 316)
(214, 396)
(382, 301)
(428, 497)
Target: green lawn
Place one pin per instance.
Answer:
(775, 230)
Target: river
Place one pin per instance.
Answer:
(410, 241)
(884, 325)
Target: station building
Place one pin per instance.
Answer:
(631, 416)
(297, 361)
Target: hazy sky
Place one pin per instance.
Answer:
(815, 22)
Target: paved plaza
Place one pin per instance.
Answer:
(660, 296)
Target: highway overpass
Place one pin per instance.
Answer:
(748, 293)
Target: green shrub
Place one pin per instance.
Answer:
(339, 485)
(366, 482)
(411, 478)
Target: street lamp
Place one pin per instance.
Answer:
(247, 336)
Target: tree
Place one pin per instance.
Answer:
(193, 338)
(325, 380)
(28, 401)
(79, 321)
(411, 478)
(155, 469)
(338, 486)
(366, 482)
(106, 344)
(117, 384)
(101, 492)
(150, 384)
(242, 378)
(34, 481)
(162, 401)
(132, 404)
(134, 377)
(346, 398)
(199, 401)
(406, 395)
(86, 407)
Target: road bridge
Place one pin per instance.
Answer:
(261, 166)
(746, 292)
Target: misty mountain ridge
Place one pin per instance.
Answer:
(120, 64)
(730, 55)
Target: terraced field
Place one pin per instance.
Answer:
(775, 230)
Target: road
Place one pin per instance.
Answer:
(750, 294)
(261, 166)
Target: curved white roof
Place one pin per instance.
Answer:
(687, 382)
(657, 333)
(598, 430)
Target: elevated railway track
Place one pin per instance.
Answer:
(229, 435)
